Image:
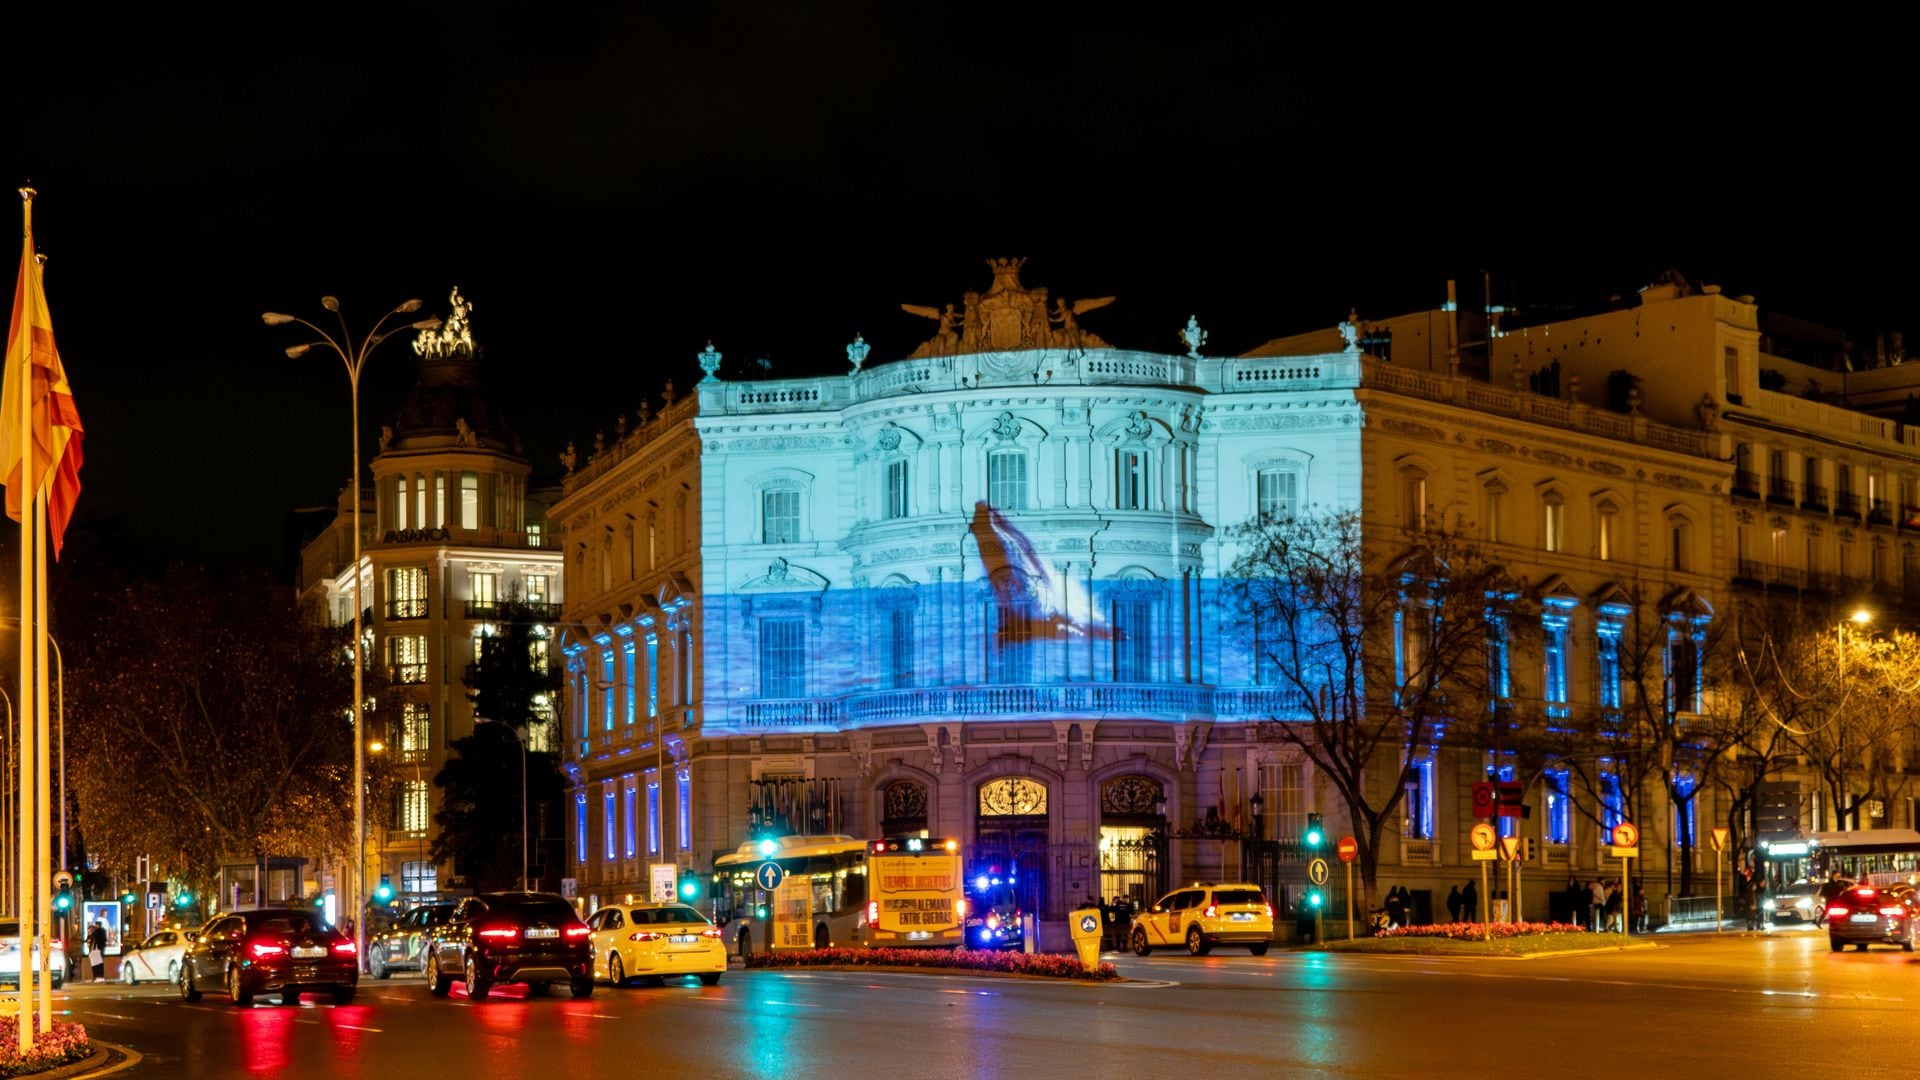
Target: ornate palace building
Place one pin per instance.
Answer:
(976, 590)
(452, 531)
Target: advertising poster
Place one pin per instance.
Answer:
(793, 913)
(107, 913)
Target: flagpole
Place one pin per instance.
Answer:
(24, 436)
(43, 842)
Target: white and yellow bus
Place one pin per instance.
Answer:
(836, 891)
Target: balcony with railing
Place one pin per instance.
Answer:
(1755, 572)
(407, 673)
(1166, 702)
(1746, 484)
(1879, 512)
(1846, 504)
(1813, 497)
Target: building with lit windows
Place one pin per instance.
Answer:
(452, 530)
(976, 590)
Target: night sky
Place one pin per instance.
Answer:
(612, 190)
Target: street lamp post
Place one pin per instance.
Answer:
(354, 357)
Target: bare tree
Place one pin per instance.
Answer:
(1383, 656)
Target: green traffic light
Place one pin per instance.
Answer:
(185, 899)
(127, 898)
(1314, 898)
(689, 889)
(769, 846)
(63, 901)
(760, 912)
(1314, 839)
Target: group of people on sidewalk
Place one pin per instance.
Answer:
(1598, 904)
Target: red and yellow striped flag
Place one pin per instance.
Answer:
(49, 451)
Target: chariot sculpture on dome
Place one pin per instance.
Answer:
(453, 338)
(1007, 317)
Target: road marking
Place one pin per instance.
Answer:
(359, 1027)
(793, 1004)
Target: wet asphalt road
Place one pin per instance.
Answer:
(1695, 1007)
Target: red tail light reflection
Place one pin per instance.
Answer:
(261, 950)
(346, 948)
(1837, 911)
(575, 933)
(500, 933)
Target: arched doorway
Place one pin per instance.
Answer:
(1133, 839)
(1011, 836)
(903, 808)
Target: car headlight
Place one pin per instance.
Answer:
(1767, 905)
(1803, 903)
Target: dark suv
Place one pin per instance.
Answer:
(534, 938)
(397, 948)
(272, 950)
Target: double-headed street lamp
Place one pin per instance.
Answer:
(354, 356)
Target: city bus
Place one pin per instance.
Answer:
(841, 892)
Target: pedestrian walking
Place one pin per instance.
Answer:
(1616, 904)
(1453, 904)
(97, 950)
(1470, 901)
(1638, 911)
(1597, 902)
(1396, 909)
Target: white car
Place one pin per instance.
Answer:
(10, 956)
(156, 959)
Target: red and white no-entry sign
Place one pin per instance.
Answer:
(1348, 849)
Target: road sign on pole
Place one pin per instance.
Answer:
(1512, 799)
(1317, 871)
(768, 875)
(1626, 835)
(1509, 848)
(1485, 800)
(1719, 840)
(1348, 849)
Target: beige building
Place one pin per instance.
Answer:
(451, 530)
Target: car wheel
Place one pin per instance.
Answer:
(746, 943)
(477, 987)
(1196, 944)
(380, 968)
(583, 988)
(1907, 945)
(188, 992)
(126, 974)
(237, 988)
(342, 995)
(1862, 947)
(437, 984)
(1140, 946)
(1258, 948)
(1836, 944)
(173, 971)
(616, 972)
(709, 978)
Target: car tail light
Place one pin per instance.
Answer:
(261, 950)
(1837, 911)
(963, 908)
(346, 948)
(1213, 911)
(1864, 893)
(873, 913)
(644, 935)
(1896, 909)
(1269, 911)
(712, 932)
(993, 920)
(500, 933)
(575, 933)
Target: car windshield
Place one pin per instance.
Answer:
(1239, 896)
(549, 910)
(285, 922)
(667, 915)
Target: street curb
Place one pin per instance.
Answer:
(967, 972)
(1635, 947)
(107, 1058)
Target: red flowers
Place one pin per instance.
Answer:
(1473, 931)
(65, 1043)
(1012, 963)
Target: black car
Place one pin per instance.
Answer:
(528, 937)
(272, 950)
(398, 947)
(1872, 915)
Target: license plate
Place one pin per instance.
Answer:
(1241, 916)
(308, 951)
(1866, 918)
(543, 932)
(919, 935)
(683, 939)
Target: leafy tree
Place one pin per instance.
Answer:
(1382, 654)
(513, 686)
(206, 723)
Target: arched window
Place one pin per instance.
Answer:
(1013, 796)
(903, 808)
(1278, 494)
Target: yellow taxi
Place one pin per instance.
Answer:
(655, 942)
(1205, 914)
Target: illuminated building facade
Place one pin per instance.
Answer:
(453, 530)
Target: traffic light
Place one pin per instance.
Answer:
(760, 912)
(1526, 849)
(184, 900)
(129, 898)
(383, 894)
(63, 900)
(1315, 835)
(689, 889)
(1315, 899)
(320, 901)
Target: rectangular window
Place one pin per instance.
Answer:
(1686, 789)
(413, 811)
(1132, 641)
(633, 817)
(1416, 497)
(418, 878)
(1683, 669)
(1278, 495)
(580, 827)
(1007, 479)
(407, 658)
(1559, 807)
(540, 732)
(1499, 667)
(1554, 676)
(1612, 805)
(469, 500)
(607, 693)
(783, 658)
(1732, 356)
(420, 500)
(610, 822)
(900, 647)
(1420, 800)
(1607, 664)
(400, 501)
(534, 588)
(653, 817)
(683, 820)
(1283, 786)
(896, 489)
(1605, 539)
(780, 517)
(439, 499)
(416, 727)
(1130, 480)
(653, 675)
(628, 667)
(407, 592)
(1013, 645)
(1553, 532)
(1496, 513)
(484, 590)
